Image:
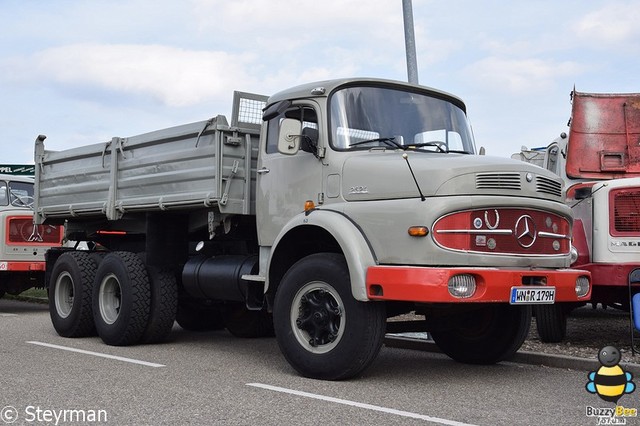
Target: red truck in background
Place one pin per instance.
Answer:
(599, 160)
(22, 263)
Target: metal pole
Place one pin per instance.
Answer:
(410, 42)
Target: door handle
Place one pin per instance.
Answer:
(263, 171)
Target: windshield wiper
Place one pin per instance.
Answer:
(439, 145)
(389, 141)
(458, 151)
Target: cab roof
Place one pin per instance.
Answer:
(311, 90)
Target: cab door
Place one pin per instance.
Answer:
(286, 181)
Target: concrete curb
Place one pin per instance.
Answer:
(521, 357)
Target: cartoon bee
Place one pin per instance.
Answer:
(610, 382)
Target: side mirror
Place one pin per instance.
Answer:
(309, 141)
(583, 193)
(289, 138)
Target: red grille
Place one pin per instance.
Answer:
(504, 231)
(626, 211)
(21, 231)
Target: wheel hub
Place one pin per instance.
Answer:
(319, 316)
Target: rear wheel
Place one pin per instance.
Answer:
(323, 332)
(485, 335)
(164, 304)
(551, 322)
(121, 299)
(70, 291)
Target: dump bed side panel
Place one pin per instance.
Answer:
(604, 136)
(198, 165)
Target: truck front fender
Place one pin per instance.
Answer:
(338, 228)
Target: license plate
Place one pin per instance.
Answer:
(532, 295)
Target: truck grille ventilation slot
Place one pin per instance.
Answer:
(626, 211)
(498, 181)
(548, 186)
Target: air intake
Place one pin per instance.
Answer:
(498, 181)
(548, 186)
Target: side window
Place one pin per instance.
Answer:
(307, 117)
(4, 199)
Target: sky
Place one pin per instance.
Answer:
(84, 71)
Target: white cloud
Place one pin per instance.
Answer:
(176, 77)
(520, 76)
(614, 24)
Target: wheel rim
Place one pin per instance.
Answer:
(317, 317)
(109, 299)
(63, 294)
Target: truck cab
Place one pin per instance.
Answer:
(24, 244)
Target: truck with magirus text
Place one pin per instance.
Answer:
(22, 245)
(317, 215)
(599, 161)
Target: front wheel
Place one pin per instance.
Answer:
(323, 332)
(486, 335)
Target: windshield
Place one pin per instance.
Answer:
(367, 117)
(17, 194)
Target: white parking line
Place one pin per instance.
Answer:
(359, 405)
(8, 315)
(98, 354)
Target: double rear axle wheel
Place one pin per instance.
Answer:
(115, 295)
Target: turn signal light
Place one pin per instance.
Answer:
(309, 205)
(418, 231)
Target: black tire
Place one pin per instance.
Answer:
(346, 335)
(195, 315)
(164, 305)
(551, 322)
(485, 335)
(70, 292)
(121, 299)
(242, 322)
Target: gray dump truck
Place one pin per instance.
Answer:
(316, 214)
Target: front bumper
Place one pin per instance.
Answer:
(430, 285)
(610, 274)
(22, 266)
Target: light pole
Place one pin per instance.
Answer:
(410, 42)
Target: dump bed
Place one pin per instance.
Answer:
(604, 136)
(200, 165)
